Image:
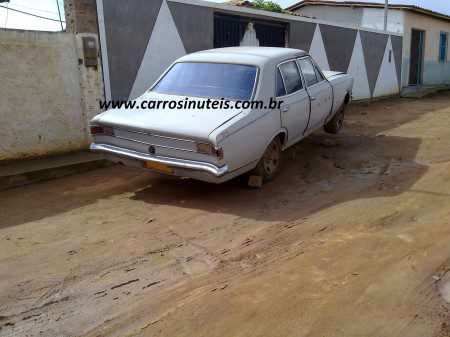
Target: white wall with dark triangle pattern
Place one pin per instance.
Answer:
(166, 44)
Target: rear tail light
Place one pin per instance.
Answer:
(210, 149)
(217, 152)
(102, 130)
(97, 130)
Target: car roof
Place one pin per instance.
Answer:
(244, 55)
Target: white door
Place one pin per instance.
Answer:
(319, 90)
(295, 106)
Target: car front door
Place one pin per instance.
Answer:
(319, 90)
(295, 100)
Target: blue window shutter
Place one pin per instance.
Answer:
(443, 47)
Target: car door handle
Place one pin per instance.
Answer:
(286, 109)
(313, 98)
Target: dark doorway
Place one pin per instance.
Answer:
(230, 30)
(416, 57)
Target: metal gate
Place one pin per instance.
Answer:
(231, 31)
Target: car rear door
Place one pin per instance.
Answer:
(320, 92)
(291, 92)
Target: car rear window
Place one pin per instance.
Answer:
(214, 80)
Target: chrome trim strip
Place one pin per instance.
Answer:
(155, 145)
(152, 134)
(172, 162)
(149, 134)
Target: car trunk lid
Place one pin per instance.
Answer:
(193, 124)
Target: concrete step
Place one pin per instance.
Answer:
(30, 171)
(422, 91)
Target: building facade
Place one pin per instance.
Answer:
(425, 60)
(140, 39)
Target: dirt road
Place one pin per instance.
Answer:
(351, 240)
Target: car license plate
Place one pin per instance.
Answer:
(156, 166)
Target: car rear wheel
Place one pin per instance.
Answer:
(334, 124)
(270, 163)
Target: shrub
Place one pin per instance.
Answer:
(267, 5)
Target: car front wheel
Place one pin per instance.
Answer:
(270, 163)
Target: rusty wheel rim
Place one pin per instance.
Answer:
(271, 157)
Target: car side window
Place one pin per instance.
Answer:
(281, 91)
(309, 73)
(291, 77)
(319, 76)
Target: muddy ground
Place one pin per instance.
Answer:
(351, 240)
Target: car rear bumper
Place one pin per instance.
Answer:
(180, 166)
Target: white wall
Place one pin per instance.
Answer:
(345, 15)
(372, 18)
(47, 96)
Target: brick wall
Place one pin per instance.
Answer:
(81, 16)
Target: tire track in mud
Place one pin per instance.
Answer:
(61, 291)
(428, 299)
(58, 288)
(250, 257)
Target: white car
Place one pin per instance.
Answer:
(216, 142)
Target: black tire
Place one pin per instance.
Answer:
(270, 163)
(334, 124)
